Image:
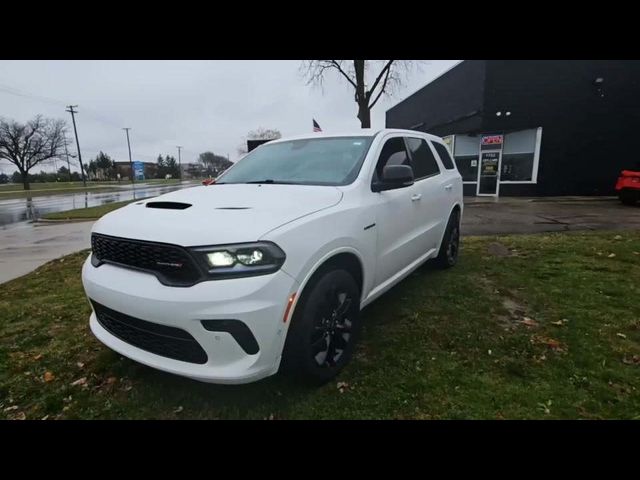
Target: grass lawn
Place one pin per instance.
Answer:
(537, 326)
(90, 213)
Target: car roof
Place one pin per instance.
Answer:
(365, 132)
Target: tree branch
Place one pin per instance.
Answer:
(382, 89)
(385, 70)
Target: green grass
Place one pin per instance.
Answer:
(90, 213)
(550, 331)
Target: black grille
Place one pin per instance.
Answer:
(170, 263)
(162, 340)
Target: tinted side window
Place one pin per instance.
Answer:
(393, 153)
(422, 159)
(445, 156)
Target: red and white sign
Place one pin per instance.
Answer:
(492, 140)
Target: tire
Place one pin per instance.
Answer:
(324, 328)
(450, 247)
(628, 198)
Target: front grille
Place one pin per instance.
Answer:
(162, 340)
(170, 263)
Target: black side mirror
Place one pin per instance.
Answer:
(394, 176)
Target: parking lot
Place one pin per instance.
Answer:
(507, 215)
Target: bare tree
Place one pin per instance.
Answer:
(259, 133)
(213, 164)
(390, 75)
(27, 145)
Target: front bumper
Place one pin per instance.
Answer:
(258, 302)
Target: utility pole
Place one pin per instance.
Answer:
(64, 136)
(126, 129)
(179, 161)
(73, 118)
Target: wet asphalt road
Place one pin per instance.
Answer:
(17, 210)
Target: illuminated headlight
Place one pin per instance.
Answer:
(221, 259)
(243, 259)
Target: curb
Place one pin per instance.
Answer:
(64, 220)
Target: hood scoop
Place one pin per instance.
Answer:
(168, 205)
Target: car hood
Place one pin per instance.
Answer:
(217, 214)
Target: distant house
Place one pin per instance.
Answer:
(192, 170)
(251, 144)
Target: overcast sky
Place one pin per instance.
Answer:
(201, 105)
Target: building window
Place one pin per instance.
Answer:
(466, 150)
(468, 167)
(518, 156)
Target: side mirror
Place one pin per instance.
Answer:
(393, 177)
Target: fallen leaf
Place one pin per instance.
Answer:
(489, 352)
(342, 386)
(178, 410)
(621, 335)
(38, 357)
(529, 322)
(48, 376)
(549, 342)
(80, 365)
(611, 255)
(618, 237)
(12, 407)
(80, 382)
(45, 417)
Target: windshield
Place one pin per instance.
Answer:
(313, 161)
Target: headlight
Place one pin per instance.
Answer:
(241, 260)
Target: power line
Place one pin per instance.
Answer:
(88, 112)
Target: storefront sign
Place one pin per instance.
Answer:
(493, 140)
(138, 170)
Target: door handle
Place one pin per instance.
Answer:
(448, 187)
(416, 197)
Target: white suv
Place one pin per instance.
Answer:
(270, 265)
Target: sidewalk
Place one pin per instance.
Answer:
(26, 246)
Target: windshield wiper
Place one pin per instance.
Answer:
(271, 181)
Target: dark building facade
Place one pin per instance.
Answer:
(532, 127)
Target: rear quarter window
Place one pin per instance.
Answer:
(445, 156)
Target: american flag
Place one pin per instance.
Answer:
(316, 127)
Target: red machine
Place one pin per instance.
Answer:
(628, 186)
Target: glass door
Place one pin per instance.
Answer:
(489, 173)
